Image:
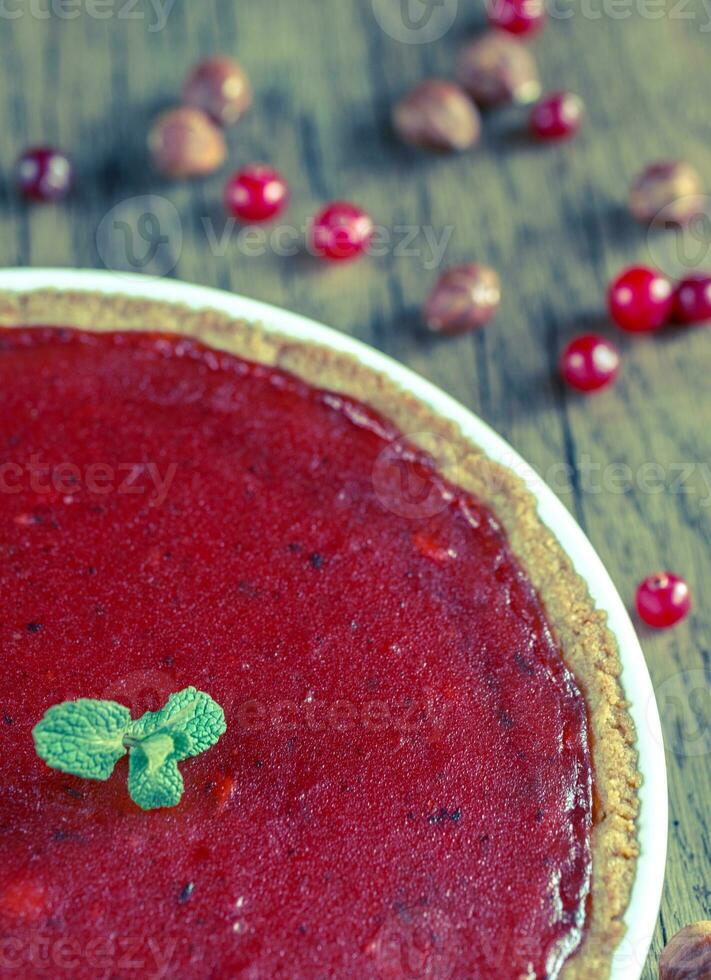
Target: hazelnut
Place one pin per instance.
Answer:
(670, 186)
(437, 115)
(687, 955)
(220, 87)
(463, 299)
(496, 70)
(186, 143)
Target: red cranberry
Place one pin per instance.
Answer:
(590, 362)
(557, 116)
(663, 600)
(517, 16)
(256, 193)
(43, 174)
(640, 299)
(341, 231)
(692, 299)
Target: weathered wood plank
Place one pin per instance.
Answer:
(552, 220)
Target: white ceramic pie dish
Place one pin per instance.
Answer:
(642, 913)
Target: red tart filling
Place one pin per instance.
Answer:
(405, 785)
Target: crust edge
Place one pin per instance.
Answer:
(589, 646)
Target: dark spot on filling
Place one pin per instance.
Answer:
(34, 627)
(316, 560)
(525, 666)
(7, 720)
(168, 661)
(443, 815)
(186, 893)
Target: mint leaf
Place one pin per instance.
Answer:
(84, 737)
(191, 714)
(154, 779)
(87, 738)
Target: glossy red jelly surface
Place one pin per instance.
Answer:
(405, 786)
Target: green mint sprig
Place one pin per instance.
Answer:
(87, 738)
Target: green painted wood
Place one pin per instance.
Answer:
(91, 75)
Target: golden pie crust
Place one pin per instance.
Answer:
(588, 646)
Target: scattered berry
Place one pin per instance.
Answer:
(522, 17)
(340, 232)
(640, 300)
(43, 174)
(692, 299)
(220, 87)
(667, 192)
(256, 193)
(589, 363)
(437, 115)
(557, 116)
(185, 142)
(663, 600)
(496, 69)
(463, 299)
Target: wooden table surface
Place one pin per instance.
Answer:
(90, 75)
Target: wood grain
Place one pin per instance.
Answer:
(552, 220)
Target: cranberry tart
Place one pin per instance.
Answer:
(429, 768)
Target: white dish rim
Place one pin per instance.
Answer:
(641, 915)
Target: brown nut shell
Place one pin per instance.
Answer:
(666, 192)
(184, 142)
(464, 298)
(437, 115)
(687, 955)
(496, 69)
(220, 87)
